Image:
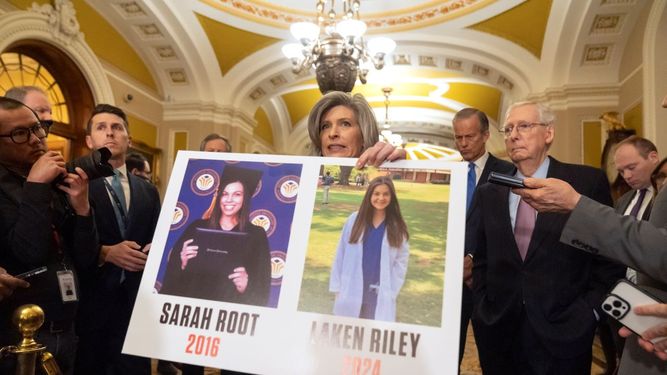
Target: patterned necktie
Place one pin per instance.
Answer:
(472, 179)
(523, 228)
(635, 209)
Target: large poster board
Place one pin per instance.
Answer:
(253, 269)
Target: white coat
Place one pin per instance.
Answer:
(347, 277)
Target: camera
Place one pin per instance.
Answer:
(96, 165)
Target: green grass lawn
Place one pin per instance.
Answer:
(424, 208)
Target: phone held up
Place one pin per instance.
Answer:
(506, 180)
(621, 301)
(31, 273)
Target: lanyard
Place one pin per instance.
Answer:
(116, 201)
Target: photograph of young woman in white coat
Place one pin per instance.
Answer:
(372, 256)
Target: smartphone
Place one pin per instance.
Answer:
(621, 301)
(506, 180)
(31, 273)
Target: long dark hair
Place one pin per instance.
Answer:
(397, 230)
(243, 214)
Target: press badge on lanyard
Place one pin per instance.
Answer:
(67, 286)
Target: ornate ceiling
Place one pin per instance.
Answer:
(451, 54)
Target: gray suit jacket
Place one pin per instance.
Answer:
(638, 244)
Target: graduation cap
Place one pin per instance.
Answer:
(248, 177)
(231, 173)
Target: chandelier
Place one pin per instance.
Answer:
(386, 134)
(336, 47)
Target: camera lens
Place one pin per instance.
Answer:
(606, 306)
(617, 304)
(616, 313)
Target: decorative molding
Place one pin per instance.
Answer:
(401, 59)
(278, 80)
(454, 64)
(209, 112)
(597, 54)
(177, 76)
(61, 19)
(607, 24)
(165, 53)
(506, 83)
(131, 9)
(408, 18)
(427, 61)
(578, 96)
(257, 93)
(479, 70)
(19, 25)
(149, 31)
(617, 2)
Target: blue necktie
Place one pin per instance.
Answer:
(472, 179)
(118, 189)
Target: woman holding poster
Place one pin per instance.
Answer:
(372, 256)
(223, 257)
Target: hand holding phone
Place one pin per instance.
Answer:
(506, 180)
(31, 273)
(620, 304)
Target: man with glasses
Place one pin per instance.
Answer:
(42, 224)
(536, 299)
(592, 227)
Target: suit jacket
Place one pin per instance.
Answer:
(104, 282)
(493, 164)
(638, 244)
(624, 201)
(556, 288)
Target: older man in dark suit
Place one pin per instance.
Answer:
(536, 299)
(126, 209)
(471, 132)
(636, 243)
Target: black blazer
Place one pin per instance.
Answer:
(103, 282)
(557, 287)
(493, 164)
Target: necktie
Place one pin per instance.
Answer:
(523, 227)
(472, 179)
(638, 205)
(118, 189)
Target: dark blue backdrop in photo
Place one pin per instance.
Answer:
(272, 207)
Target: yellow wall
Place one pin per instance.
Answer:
(592, 143)
(143, 131)
(633, 119)
(180, 142)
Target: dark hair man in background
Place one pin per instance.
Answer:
(215, 143)
(138, 165)
(42, 225)
(471, 131)
(126, 212)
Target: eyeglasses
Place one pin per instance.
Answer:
(522, 127)
(22, 135)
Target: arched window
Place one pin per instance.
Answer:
(20, 70)
(37, 63)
